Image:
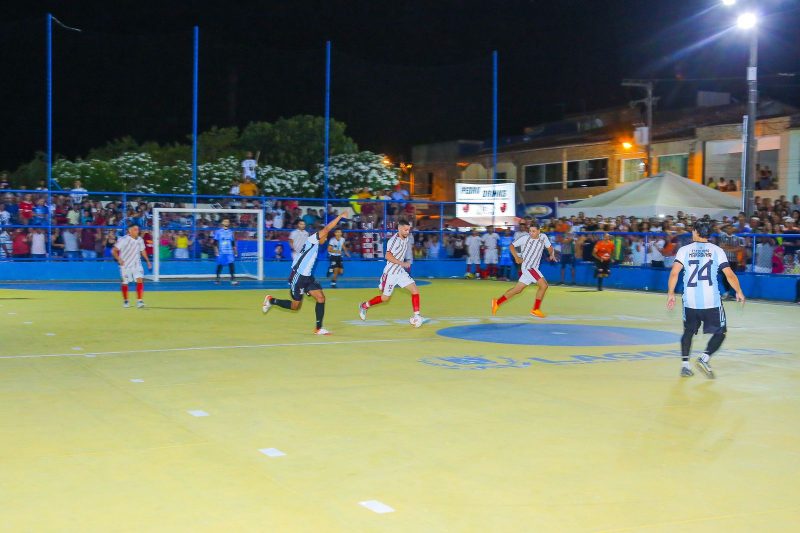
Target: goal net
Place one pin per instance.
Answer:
(184, 246)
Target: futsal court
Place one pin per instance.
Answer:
(199, 413)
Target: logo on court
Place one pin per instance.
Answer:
(475, 362)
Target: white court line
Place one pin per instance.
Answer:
(376, 506)
(272, 452)
(196, 348)
(197, 413)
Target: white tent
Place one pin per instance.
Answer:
(663, 194)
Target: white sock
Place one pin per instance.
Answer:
(705, 357)
(685, 364)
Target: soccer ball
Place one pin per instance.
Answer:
(415, 321)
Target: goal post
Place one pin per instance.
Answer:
(197, 268)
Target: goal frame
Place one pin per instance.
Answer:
(157, 238)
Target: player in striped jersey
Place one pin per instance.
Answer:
(128, 252)
(702, 303)
(337, 247)
(301, 279)
(527, 251)
(395, 274)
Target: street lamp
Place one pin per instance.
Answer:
(728, 2)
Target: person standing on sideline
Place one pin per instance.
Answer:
(489, 241)
(567, 256)
(702, 303)
(129, 252)
(505, 254)
(473, 244)
(225, 250)
(395, 274)
(301, 279)
(527, 251)
(602, 256)
(337, 248)
(297, 238)
(249, 166)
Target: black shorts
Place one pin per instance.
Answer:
(300, 285)
(713, 320)
(602, 268)
(567, 259)
(336, 262)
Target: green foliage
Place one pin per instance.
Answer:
(349, 173)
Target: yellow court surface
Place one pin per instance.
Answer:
(200, 413)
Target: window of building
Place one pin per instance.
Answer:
(423, 185)
(678, 164)
(542, 177)
(632, 170)
(587, 173)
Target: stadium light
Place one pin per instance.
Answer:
(747, 21)
(728, 2)
(627, 145)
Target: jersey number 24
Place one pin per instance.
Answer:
(699, 273)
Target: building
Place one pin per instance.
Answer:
(588, 154)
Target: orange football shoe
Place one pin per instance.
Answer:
(538, 313)
(495, 307)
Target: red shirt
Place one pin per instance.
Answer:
(20, 244)
(148, 243)
(25, 209)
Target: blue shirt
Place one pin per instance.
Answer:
(504, 242)
(224, 238)
(307, 257)
(701, 261)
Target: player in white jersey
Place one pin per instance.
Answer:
(490, 240)
(337, 248)
(527, 251)
(225, 248)
(128, 252)
(301, 279)
(702, 303)
(473, 245)
(395, 274)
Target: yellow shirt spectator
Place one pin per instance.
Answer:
(248, 188)
(354, 204)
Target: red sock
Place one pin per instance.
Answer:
(415, 302)
(374, 301)
(501, 300)
(538, 303)
(125, 291)
(140, 290)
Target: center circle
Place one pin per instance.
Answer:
(546, 334)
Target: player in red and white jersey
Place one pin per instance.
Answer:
(395, 274)
(527, 250)
(129, 252)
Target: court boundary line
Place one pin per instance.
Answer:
(199, 348)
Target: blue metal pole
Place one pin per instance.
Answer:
(49, 27)
(494, 116)
(327, 121)
(194, 112)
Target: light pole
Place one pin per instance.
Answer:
(648, 86)
(748, 21)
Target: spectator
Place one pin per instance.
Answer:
(26, 210)
(182, 243)
(40, 212)
(109, 241)
(20, 246)
(297, 239)
(88, 239)
(722, 185)
(656, 251)
(433, 247)
(4, 184)
(765, 250)
(234, 190)
(310, 218)
(6, 244)
(711, 183)
(731, 186)
(248, 188)
(71, 244)
(5, 216)
(38, 242)
(73, 216)
(249, 166)
(78, 193)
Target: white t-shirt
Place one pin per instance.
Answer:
(490, 242)
(77, 198)
(249, 168)
(701, 261)
(307, 256)
(336, 247)
(37, 244)
(398, 247)
(656, 245)
(473, 244)
(298, 238)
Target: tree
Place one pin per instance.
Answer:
(349, 173)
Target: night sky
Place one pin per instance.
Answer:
(403, 72)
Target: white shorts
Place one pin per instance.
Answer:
(131, 273)
(530, 276)
(490, 258)
(474, 259)
(396, 279)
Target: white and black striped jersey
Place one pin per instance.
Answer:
(531, 249)
(307, 256)
(398, 247)
(130, 250)
(336, 247)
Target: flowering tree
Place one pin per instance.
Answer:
(276, 181)
(352, 172)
